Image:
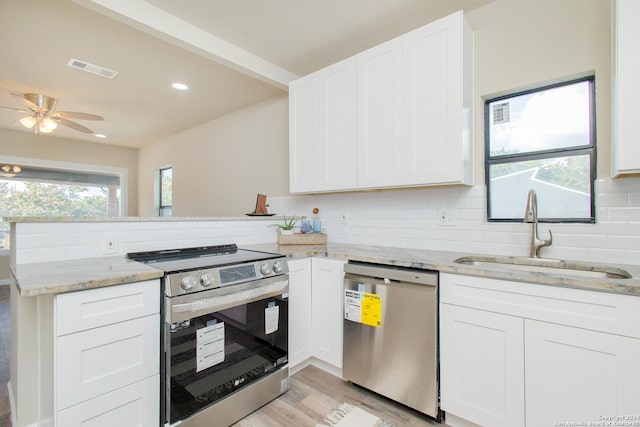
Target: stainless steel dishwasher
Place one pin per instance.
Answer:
(390, 339)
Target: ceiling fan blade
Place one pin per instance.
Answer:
(74, 115)
(16, 109)
(72, 125)
(26, 102)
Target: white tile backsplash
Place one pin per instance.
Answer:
(397, 218)
(408, 218)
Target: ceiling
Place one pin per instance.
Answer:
(232, 54)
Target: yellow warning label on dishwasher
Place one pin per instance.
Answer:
(362, 307)
(371, 310)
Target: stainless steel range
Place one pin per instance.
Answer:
(225, 333)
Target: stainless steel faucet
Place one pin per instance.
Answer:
(531, 216)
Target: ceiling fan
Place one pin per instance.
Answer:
(43, 116)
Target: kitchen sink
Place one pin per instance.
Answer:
(545, 265)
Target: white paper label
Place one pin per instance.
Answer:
(353, 305)
(209, 346)
(271, 318)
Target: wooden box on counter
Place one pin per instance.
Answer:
(302, 239)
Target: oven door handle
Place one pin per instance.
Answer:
(180, 311)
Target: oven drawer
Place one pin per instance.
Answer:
(98, 361)
(79, 311)
(136, 404)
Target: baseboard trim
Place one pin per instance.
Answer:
(333, 370)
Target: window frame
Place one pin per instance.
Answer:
(163, 208)
(589, 149)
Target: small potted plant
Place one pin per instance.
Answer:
(287, 225)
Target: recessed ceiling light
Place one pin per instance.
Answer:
(99, 135)
(180, 86)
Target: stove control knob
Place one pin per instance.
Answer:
(188, 283)
(206, 279)
(264, 269)
(277, 267)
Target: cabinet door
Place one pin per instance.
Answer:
(323, 130)
(300, 347)
(336, 160)
(303, 133)
(379, 115)
(433, 103)
(137, 405)
(482, 366)
(626, 88)
(79, 311)
(97, 361)
(579, 375)
(327, 276)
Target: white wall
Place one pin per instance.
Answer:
(523, 43)
(220, 166)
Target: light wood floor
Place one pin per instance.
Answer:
(313, 395)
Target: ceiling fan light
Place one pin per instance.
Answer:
(47, 125)
(28, 121)
(9, 171)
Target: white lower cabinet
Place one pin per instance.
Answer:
(299, 311)
(135, 405)
(516, 354)
(106, 356)
(315, 311)
(482, 366)
(326, 309)
(579, 375)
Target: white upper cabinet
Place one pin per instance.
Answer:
(380, 116)
(626, 88)
(438, 96)
(322, 122)
(396, 115)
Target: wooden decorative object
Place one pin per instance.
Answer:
(261, 204)
(302, 239)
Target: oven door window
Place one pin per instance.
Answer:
(214, 355)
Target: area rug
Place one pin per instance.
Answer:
(351, 416)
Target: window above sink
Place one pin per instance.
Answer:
(542, 139)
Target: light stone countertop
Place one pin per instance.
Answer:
(443, 261)
(74, 275)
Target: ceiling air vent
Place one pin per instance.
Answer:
(91, 68)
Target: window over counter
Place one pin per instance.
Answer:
(165, 191)
(542, 139)
(31, 187)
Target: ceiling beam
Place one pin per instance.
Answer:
(155, 21)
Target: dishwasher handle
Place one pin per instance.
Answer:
(398, 274)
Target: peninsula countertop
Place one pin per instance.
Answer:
(73, 275)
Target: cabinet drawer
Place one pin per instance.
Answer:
(134, 405)
(79, 311)
(598, 311)
(94, 362)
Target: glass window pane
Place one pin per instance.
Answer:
(562, 186)
(166, 180)
(166, 192)
(548, 119)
